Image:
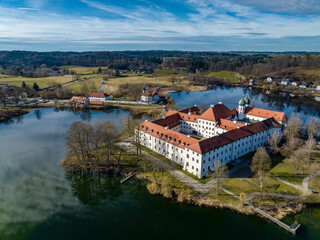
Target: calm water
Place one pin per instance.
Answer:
(39, 201)
(231, 96)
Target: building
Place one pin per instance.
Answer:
(318, 87)
(270, 80)
(81, 100)
(149, 97)
(98, 97)
(202, 142)
(285, 81)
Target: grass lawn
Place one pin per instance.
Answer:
(226, 75)
(285, 171)
(77, 85)
(42, 82)
(83, 70)
(238, 186)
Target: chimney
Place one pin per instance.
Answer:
(234, 121)
(220, 102)
(166, 127)
(189, 136)
(238, 127)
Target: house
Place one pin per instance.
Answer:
(296, 84)
(270, 80)
(149, 97)
(81, 100)
(318, 87)
(98, 96)
(223, 137)
(304, 85)
(285, 81)
(4, 85)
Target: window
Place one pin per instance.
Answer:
(187, 155)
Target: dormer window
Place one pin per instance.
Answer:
(151, 130)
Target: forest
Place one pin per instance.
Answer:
(259, 65)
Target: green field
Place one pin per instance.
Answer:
(226, 75)
(42, 82)
(83, 70)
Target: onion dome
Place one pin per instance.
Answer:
(247, 100)
(241, 102)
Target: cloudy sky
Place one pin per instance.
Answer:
(214, 25)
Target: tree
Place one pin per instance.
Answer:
(293, 127)
(261, 164)
(312, 126)
(24, 85)
(173, 80)
(290, 146)
(3, 95)
(274, 141)
(35, 86)
(99, 70)
(203, 107)
(220, 174)
(299, 160)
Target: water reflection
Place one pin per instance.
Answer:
(91, 189)
(230, 96)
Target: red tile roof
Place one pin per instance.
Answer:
(194, 110)
(169, 121)
(258, 112)
(76, 98)
(216, 113)
(168, 135)
(234, 135)
(96, 102)
(229, 125)
(97, 94)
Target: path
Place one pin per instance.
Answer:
(192, 183)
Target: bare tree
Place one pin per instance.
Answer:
(299, 160)
(274, 141)
(3, 95)
(261, 164)
(312, 126)
(203, 108)
(293, 127)
(220, 174)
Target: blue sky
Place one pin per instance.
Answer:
(201, 25)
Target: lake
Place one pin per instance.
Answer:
(230, 97)
(38, 200)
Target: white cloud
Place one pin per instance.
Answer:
(210, 18)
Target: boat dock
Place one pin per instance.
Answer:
(292, 229)
(128, 177)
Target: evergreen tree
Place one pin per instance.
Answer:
(24, 85)
(35, 86)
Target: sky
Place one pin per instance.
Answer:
(190, 25)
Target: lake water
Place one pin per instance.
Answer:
(38, 200)
(231, 96)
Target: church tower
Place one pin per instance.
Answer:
(241, 109)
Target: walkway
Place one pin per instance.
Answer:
(192, 183)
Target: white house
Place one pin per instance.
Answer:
(285, 81)
(270, 80)
(318, 87)
(149, 97)
(82, 100)
(223, 137)
(98, 97)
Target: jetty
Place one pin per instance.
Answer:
(128, 177)
(292, 229)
